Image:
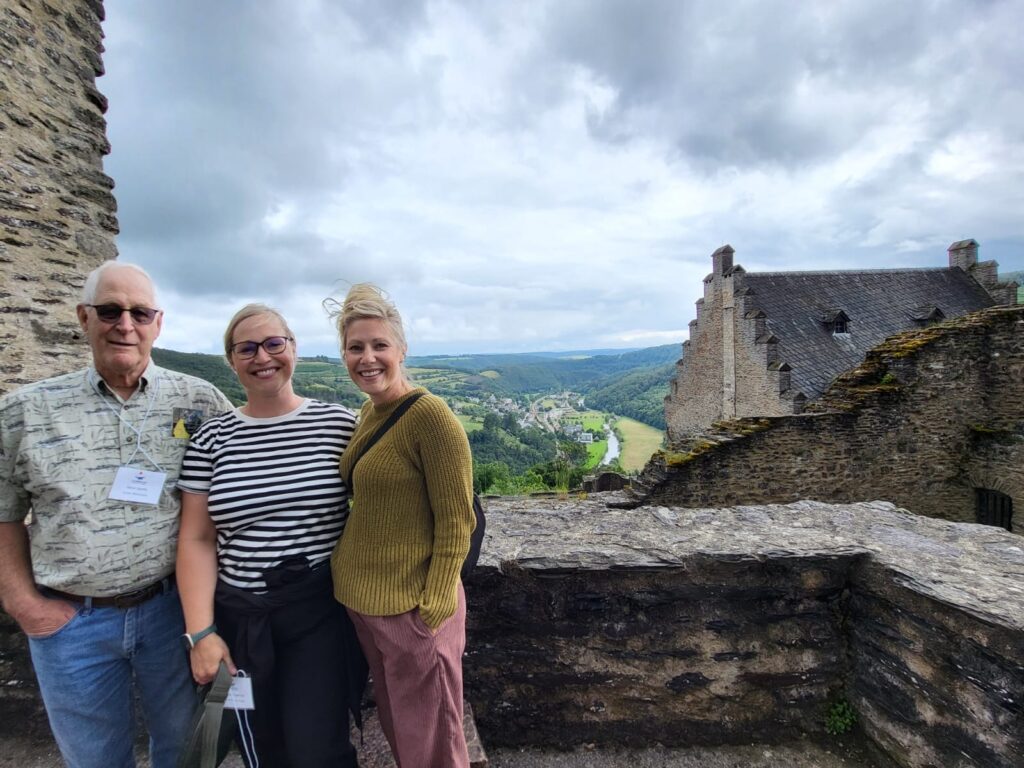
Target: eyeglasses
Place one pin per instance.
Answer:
(274, 345)
(111, 313)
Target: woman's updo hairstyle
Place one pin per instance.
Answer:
(365, 301)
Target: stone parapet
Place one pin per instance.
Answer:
(682, 626)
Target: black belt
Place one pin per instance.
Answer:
(124, 600)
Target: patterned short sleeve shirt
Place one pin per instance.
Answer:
(62, 441)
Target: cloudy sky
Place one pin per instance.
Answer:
(549, 175)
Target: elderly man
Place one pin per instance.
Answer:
(95, 456)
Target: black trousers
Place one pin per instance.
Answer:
(297, 653)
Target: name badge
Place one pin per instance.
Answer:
(139, 486)
(240, 694)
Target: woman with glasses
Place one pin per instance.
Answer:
(262, 508)
(396, 569)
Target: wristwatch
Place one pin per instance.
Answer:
(191, 640)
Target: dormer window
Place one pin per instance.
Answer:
(836, 321)
(927, 315)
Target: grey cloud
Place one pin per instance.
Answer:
(385, 24)
(736, 84)
(231, 111)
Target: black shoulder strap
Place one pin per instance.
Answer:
(381, 431)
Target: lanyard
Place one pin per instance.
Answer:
(138, 430)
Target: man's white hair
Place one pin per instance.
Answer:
(93, 280)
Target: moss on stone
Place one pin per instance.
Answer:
(679, 458)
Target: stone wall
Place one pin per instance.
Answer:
(57, 213)
(762, 380)
(928, 417)
(713, 651)
(57, 222)
(680, 626)
(702, 357)
(935, 684)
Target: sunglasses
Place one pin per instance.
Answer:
(274, 345)
(111, 313)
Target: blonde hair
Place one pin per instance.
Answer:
(252, 310)
(365, 301)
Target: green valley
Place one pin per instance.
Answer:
(534, 421)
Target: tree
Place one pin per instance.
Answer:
(487, 475)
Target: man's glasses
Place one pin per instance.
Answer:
(111, 313)
(274, 345)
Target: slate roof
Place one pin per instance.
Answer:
(878, 304)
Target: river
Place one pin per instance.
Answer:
(613, 446)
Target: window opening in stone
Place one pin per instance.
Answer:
(993, 508)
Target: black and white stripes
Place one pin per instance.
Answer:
(273, 485)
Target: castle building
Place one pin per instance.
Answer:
(765, 344)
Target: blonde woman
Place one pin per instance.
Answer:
(262, 509)
(396, 568)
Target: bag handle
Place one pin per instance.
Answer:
(381, 431)
(214, 705)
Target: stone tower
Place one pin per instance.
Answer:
(57, 212)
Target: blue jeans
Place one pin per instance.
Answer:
(86, 670)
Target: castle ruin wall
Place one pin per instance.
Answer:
(57, 212)
(702, 361)
(929, 417)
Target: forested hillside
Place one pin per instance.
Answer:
(519, 410)
(639, 395)
(213, 368)
(313, 377)
(629, 383)
(504, 440)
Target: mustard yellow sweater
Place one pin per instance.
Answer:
(412, 513)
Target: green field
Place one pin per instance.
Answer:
(588, 419)
(470, 423)
(595, 452)
(591, 420)
(639, 441)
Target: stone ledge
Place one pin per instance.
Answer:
(976, 568)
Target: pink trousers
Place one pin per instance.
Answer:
(417, 680)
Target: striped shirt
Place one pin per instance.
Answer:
(273, 488)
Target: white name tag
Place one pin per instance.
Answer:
(240, 694)
(138, 486)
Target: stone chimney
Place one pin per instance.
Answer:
(721, 260)
(963, 254)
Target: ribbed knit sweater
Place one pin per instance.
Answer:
(412, 513)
